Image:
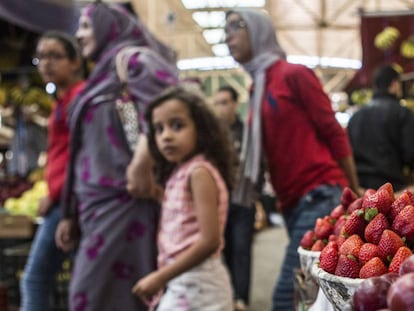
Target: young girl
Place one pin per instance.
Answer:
(194, 163)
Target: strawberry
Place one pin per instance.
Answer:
(388, 245)
(348, 266)
(348, 196)
(329, 257)
(351, 246)
(400, 256)
(375, 227)
(357, 204)
(403, 224)
(374, 267)
(388, 187)
(308, 239)
(318, 246)
(368, 192)
(337, 211)
(355, 223)
(339, 224)
(332, 238)
(367, 252)
(411, 195)
(381, 200)
(340, 239)
(402, 201)
(323, 228)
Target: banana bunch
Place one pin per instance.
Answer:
(16, 95)
(386, 38)
(33, 95)
(407, 47)
(361, 97)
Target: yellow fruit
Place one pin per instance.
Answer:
(361, 97)
(386, 38)
(10, 204)
(407, 49)
(3, 96)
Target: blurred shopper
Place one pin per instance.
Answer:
(118, 232)
(240, 220)
(382, 134)
(307, 151)
(30, 136)
(60, 63)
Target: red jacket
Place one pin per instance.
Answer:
(58, 143)
(302, 139)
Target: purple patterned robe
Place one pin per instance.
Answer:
(118, 240)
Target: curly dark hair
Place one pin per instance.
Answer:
(213, 138)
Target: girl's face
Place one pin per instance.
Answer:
(86, 36)
(54, 64)
(238, 39)
(175, 131)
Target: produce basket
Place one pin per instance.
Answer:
(338, 290)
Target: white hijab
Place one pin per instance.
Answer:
(266, 51)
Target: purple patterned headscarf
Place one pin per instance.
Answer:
(149, 73)
(114, 28)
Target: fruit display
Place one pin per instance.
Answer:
(393, 291)
(371, 294)
(28, 203)
(366, 246)
(361, 97)
(386, 38)
(31, 96)
(407, 47)
(13, 187)
(367, 236)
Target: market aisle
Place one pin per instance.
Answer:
(268, 250)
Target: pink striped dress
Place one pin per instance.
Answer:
(206, 286)
(179, 228)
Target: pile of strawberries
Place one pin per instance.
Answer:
(365, 237)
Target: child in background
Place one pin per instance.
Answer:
(194, 162)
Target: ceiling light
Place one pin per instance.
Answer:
(203, 4)
(214, 36)
(212, 19)
(220, 50)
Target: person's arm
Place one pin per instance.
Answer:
(348, 166)
(205, 196)
(140, 176)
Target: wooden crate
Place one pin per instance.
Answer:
(16, 226)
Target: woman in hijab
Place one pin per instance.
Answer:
(117, 242)
(291, 119)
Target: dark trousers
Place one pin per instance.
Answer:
(238, 248)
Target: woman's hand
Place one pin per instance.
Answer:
(142, 186)
(140, 177)
(63, 235)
